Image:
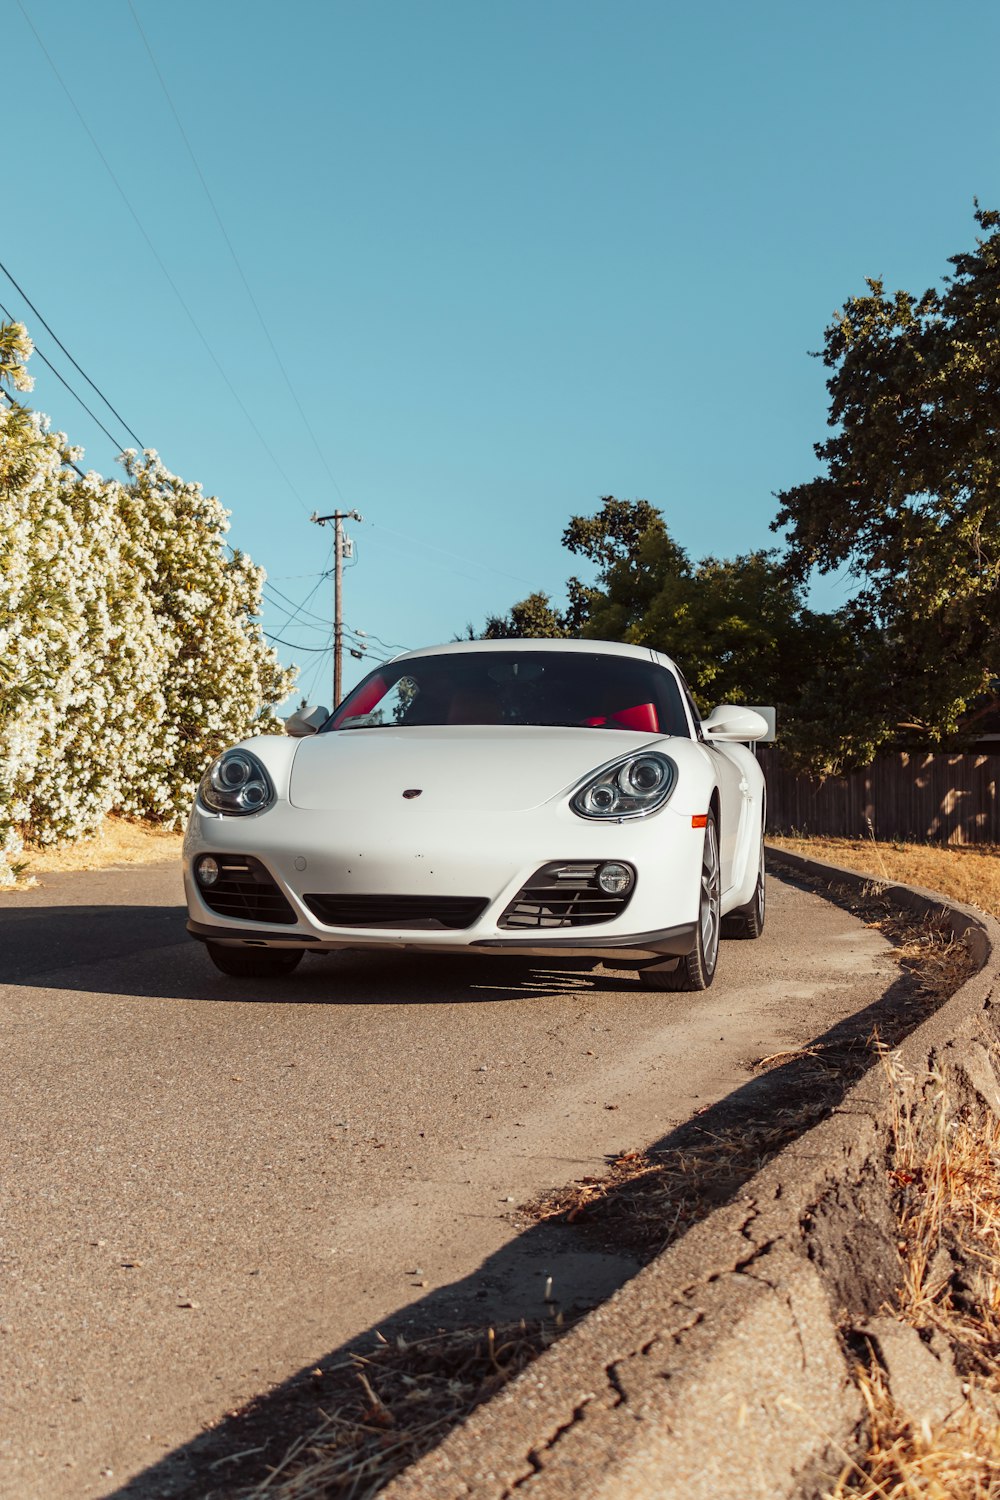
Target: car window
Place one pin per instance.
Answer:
(588, 689)
(395, 700)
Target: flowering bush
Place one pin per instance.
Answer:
(129, 649)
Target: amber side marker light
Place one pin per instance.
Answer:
(699, 820)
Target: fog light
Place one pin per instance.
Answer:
(615, 880)
(206, 871)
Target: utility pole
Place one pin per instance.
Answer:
(338, 518)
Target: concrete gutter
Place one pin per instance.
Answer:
(720, 1372)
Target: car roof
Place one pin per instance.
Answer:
(543, 643)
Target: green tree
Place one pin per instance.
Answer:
(610, 540)
(739, 628)
(534, 616)
(910, 498)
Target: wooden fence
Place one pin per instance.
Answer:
(951, 799)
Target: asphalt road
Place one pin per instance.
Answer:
(208, 1185)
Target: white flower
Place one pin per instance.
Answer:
(124, 625)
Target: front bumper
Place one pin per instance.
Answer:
(490, 856)
(671, 942)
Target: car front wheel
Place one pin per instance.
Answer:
(254, 963)
(696, 970)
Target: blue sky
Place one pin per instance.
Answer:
(513, 257)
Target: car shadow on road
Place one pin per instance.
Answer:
(587, 1256)
(146, 953)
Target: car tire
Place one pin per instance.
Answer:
(696, 970)
(748, 921)
(254, 963)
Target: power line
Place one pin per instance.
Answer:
(294, 645)
(156, 256)
(304, 617)
(11, 403)
(317, 650)
(354, 642)
(232, 250)
(389, 645)
(299, 609)
(94, 418)
(321, 628)
(302, 609)
(296, 609)
(291, 616)
(360, 637)
(286, 577)
(310, 677)
(352, 637)
(289, 619)
(69, 356)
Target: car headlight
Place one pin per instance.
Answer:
(630, 788)
(236, 784)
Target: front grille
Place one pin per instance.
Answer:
(564, 895)
(246, 890)
(397, 911)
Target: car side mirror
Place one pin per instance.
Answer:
(770, 717)
(306, 720)
(730, 721)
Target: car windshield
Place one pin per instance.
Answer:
(583, 688)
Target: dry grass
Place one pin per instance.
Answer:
(946, 1177)
(385, 1408)
(119, 842)
(924, 946)
(958, 1460)
(648, 1199)
(970, 874)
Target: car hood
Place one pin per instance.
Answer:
(455, 768)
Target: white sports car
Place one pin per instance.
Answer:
(533, 797)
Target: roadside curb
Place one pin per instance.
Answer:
(720, 1372)
(964, 921)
